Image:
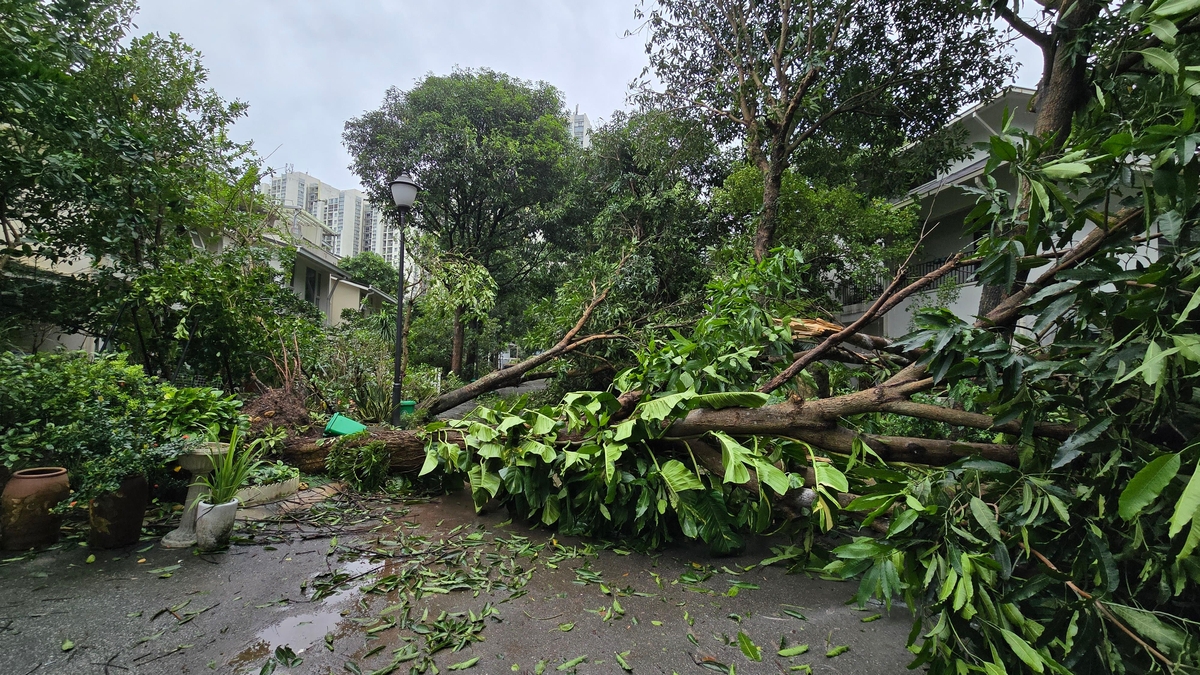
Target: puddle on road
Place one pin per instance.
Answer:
(302, 631)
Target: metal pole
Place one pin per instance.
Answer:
(398, 380)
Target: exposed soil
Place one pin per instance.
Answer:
(280, 408)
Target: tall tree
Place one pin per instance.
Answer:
(490, 153)
(847, 74)
(371, 269)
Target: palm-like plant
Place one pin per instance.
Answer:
(230, 471)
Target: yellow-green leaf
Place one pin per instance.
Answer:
(1188, 504)
(1145, 485)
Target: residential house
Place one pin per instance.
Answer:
(943, 205)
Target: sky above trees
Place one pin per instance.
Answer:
(307, 67)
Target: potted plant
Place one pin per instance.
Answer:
(269, 483)
(216, 511)
(114, 486)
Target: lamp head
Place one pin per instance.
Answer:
(404, 191)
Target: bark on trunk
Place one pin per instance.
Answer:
(456, 347)
(406, 447)
(769, 217)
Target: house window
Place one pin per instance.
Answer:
(311, 287)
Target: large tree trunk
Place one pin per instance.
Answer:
(406, 447)
(764, 236)
(1062, 92)
(456, 347)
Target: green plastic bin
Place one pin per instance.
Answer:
(408, 407)
(340, 425)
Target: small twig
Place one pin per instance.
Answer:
(1103, 610)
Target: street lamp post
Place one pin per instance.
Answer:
(404, 192)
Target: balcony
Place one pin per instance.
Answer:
(852, 294)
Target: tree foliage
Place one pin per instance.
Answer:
(835, 78)
(490, 153)
(371, 269)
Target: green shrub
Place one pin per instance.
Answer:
(363, 465)
(267, 473)
(194, 410)
(56, 408)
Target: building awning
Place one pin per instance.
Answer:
(951, 179)
(369, 290)
(321, 260)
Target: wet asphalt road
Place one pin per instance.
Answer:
(171, 611)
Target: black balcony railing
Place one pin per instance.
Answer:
(853, 294)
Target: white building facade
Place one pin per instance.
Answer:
(353, 224)
(580, 128)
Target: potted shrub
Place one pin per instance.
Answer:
(114, 486)
(269, 483)
(216, 511)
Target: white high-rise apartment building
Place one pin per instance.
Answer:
(355, 223)
(580, 128)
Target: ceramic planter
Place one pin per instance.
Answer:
(116, 517)
(214, 524)
(25, 504)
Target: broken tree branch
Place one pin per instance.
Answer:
(882, 305)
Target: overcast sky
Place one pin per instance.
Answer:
(307, 66)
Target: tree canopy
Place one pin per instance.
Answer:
(490, 153)
(838, 79)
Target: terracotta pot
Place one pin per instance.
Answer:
(214, 524)
(25, 505)
(116, 517)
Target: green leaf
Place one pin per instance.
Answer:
(463, 665)
(1023, 651)
(1188, 504)
(797, 650)
(612, 453)
(541, 424)
(769, 474)
(730, 399)
(749, 649)
(1164, 29)
(550, 512)
(573, 662)
(660, 408)
(1161, 60)
(482, 479)
(902, 522)
(679, 478)
(1193, 303)
(431, 461)
(1070, 449)
(734, 457)
(1065, 170)
(1172, 8)
(1168, 638)
(829, 476)
(1002, 149)
(67, 645)
(509, 422)
(1145, 485)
